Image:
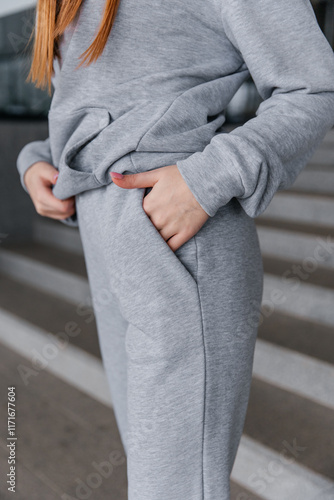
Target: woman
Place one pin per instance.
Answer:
(165, 201)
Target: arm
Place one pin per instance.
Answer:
(35, 166)
(36, 160)
(35, 151)
(32, 153)
(37, 176)
(292, 65)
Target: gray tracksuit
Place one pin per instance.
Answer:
(177, 334)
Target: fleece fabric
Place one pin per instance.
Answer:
(177, 329)
(159, 91)
(177, 332)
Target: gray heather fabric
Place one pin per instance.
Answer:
(163, 82)
(177, 334)
(177, 330)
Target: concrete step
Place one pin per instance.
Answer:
(315, 167)
(298, 298)
(275, 415)
(56, 316)
(298, 334)
(301, 208)
(308, 244)
(307, 270)
(50, 269)
(62, 432)
(55, 234)
(60, 357)
(50, 314)
(279, 237)
(292, 444)
(294, 372)
(329, 139)
(315, 181)
(288, 293)
(80, 430)
(324, 155)
(276, 475)
(63, 260)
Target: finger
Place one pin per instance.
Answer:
(166, 232)
(50, 204)
(50, 174)
(177, 241)
(49, 200)
(48, 211)
(59, 216)
(141, 180)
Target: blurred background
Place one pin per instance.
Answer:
(48, 342)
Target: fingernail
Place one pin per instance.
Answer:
(116, 175)
(55, 177)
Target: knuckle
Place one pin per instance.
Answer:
(159, 220)
(38, 199)
(146, 205)
(38, 207)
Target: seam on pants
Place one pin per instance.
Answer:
(204, 355)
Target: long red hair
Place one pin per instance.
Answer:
(53, 17)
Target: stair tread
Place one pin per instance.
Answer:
(295, 227)
(289, 410)
(299, 335)
(297, 270)
(52, 314)
(313, 166)
(238, 492)
(28, 484)
(313, 195)
(53, 415)
(53, 256)
(326, 192)
(79, 428)
(276, 416)
(49, 313)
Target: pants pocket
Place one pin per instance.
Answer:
(156, 287)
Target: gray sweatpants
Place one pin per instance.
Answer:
(177, 332)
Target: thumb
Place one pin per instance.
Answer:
(50, 173)
(131, 181)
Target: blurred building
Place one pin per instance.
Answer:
(17, 97)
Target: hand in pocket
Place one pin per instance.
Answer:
(170, 204)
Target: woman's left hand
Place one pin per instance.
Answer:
(170, 204)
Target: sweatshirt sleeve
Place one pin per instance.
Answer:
(292, 65)
(32, 153)
(37, 150)
(40, 151)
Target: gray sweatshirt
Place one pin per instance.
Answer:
(158, 94)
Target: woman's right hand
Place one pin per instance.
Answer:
(39, 180)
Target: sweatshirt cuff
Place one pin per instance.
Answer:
(32, 153)
(212, 182)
